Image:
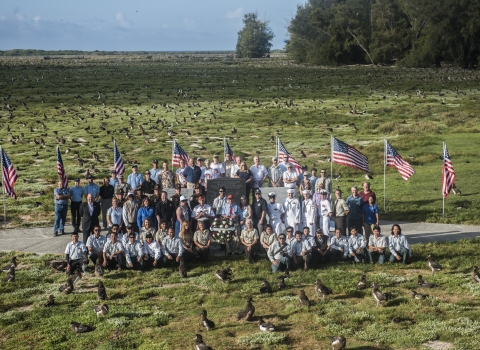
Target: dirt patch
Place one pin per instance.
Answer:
(438, 345)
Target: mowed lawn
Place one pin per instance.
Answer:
(83, 104)
(160, 310)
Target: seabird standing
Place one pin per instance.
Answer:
(208, 324)
(67, 288)
(224, 275)
(379, 296)
(200, 344)
(50, 301)
(433, 264)
(247, 313)
(321, 289)
(362, 284)
(476, 274)
(13, 262)
(303, 299)
(281, 282)
(339, 343)
(266, 288)
(10, 277)
(101, 310)
(101, 292)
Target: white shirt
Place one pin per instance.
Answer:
(289, 175)
(179, 172)
(325, 208)
(339, 243)
(234, 169)
(152, 249)
(298, 247)
(275, 211)
(258, 174)
(111, 248)
(308, 211)
(172, 246)
(292, 211)
(206, 209)
(76, 250)
(356, 242)
(96, 243)
(133, 250)
(217, 170)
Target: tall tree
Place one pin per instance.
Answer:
(254, 39)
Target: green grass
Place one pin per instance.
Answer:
(415, 109)
(160, 310)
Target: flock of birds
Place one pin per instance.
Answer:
(246, 314)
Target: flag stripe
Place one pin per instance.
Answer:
(396, 161)
(448, 174)
(282, 152)
(347, 155)
(61, 170)
(117, 160)
(9, 175)
(178, 154)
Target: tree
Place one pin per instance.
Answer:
(254, 39)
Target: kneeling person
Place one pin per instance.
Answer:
(151, 252)
(113, 253)
(301, 252)
(172, 248)
(278, 254)
(356, 246)
(95, 244)
(76, 255)
(134, 253)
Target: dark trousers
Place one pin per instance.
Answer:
(302, 261)
(338, 255)
(74, 211)
(341, 223)
(204, 254)
(357, 223)
(105, 205)
(319, 258)
(75, 264)
(376, 255)
(360, 256)
(250, 253)
(148, 264)
(169, 263)
(95, 256)
(136, 265)
(118, 261)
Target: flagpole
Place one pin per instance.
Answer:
(173, 151)
(443, 195)
(3, 190)
(224, 148)
(331, 156)
(276, 149)
(384, 175)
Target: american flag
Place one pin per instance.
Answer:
(448, 174)
(9, 175)
(228, 150)
(60, 169)
(394, 159)
(117, 160)
(178, 153)
(349, 156)
(282, 152)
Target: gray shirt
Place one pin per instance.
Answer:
(201, 238)
(76, 250)
(298, 247)
(133, 251)
(96, 243)
(172, 246)
(276, 251)
(111, 248)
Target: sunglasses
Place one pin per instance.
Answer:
(96, 230)
(221, 191)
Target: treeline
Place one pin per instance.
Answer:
(413, 33)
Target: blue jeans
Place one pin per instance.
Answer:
(60, 217)
(372, 255)
(403, 253)
(283, 262)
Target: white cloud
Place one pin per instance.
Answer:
(189, 23)
(235, 13)
(120, 18)
(36, 19)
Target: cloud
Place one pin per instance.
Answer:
(36, 19)
(235, 13)
(120, 18)
(189, 23)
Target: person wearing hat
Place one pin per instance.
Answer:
(123, 186)
(135, 179)
(148, 184)
(76, 193)
(89, 211)
(324, 212)
(217, 168)
(91, 188)
(106, 194)
(119, 197)
(228, 164)
(292, 208)
(192, 174)
(275, 174)
(259, 210)
(231, 211)
(193, 200)
(114, 179)
(276, 213)
(308, 211)
(61, 197)
(165, 177)
(278, 254)
(152, 253)
(154, 171)
(202, 177)
(130, 211)
(155, 197)
(325, 181)
(183, 213)
(203, 212)
(305, 184)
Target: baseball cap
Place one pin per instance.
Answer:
(230, 196)
(89, 176)
(258, 191)
(76, 180)
(271, 195)
(155, 161)
(183, 198)
(113, 172)
(200, 159)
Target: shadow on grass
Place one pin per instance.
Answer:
(131, 315)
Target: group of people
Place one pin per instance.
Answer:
(141, 207)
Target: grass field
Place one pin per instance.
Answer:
(160, 310)
(138, 99)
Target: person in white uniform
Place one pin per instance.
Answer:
(276, 213)
(324, 212)
(292, 208)
(308, 211)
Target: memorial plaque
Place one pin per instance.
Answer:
(187, 192)
(232, 186)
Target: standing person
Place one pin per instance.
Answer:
(197, 192)
(377, 245)
(325, 212)
(95, 244)
(165, 177)
(186, 236)
(89, 211)
(313, 178)
(61, 197)
(259, 210)
(148, 184)
(398, 246)
(135, 179)
(308, 211)
(146, 211)
(130, 211)
(155, 171)
(115, 215)
(76, 193)
(235, 167)
(114, 179)
(275, 174)
(220, 201)
(123, 186)
(217, 168)
(183, 213)
(106, 193)
(176, 197)
(192, 174)
(208, 173)
(370, 216)
(91, 188)
(283, 164)
(165, 210)
(227, 165)
(367, 193)
(290, 177)
(179, 175)
(249, 238)
(355, 210)
(202, 177)
(245, 174)
(276, 214)
(305, 184)
(325, 180)
(259, 173)
(292, 210)
(340, 212)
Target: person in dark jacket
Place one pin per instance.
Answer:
(89, 211)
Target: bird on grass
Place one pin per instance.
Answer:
(10, 277)
(265, 326)
(286, 273)
(67, 288)
(200, 344)
(338, 177)
(247, 313)
(321, 289)
(380, 297)
(303, 299)
(208, 324)
(182, 269)
(397, 319)
(456, 190)
(339, 343)
(101, 292)
(362, 284)
(224, 275)
(99, 271)
(50, 301)
(266, 288)
(13, 262)
(281, 282)
(476, 274)
(424, 284)
(368, 176)
(416, 295)
(77, 275)
(433, 264)
(101, 310)
(80, 328)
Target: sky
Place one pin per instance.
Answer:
(141, 25)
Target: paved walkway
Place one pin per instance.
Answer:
(40, 239)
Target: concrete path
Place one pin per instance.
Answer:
(40, 239)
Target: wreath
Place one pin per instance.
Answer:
(222, 231)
